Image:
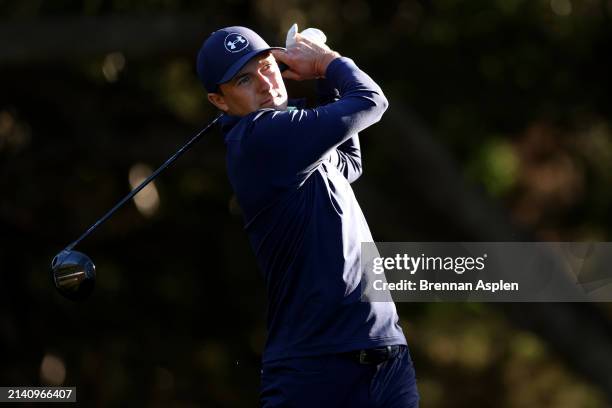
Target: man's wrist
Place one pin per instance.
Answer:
(325, 61)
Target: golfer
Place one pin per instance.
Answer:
(291, 169)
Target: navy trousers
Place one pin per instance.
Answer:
(338, 381)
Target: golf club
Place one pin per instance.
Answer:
(73, 273)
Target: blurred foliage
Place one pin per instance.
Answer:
(517, 92)
(470, 356)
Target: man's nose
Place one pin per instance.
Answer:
(264, 82)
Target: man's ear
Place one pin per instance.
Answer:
(218, 100)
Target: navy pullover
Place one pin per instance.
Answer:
(291, 171)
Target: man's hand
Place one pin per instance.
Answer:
(305, 59)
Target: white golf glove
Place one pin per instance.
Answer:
(313, 34)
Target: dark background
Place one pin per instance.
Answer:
(498, 130)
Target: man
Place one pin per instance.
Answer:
(290, 168)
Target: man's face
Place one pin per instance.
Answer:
(259, 84)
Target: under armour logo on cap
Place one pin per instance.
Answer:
(225, 52)
(235, 42)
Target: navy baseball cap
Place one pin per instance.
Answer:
(225, 52)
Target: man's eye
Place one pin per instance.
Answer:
(243, 80)
(266, 67)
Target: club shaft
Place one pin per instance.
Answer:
(144, 183)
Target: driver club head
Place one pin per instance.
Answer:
(73, 274)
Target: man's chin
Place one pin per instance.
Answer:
(281, 105)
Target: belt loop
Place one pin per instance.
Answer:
(363, 356)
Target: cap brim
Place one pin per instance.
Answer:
(238, 65)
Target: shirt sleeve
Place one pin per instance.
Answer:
(347, 156)
(295, 142)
